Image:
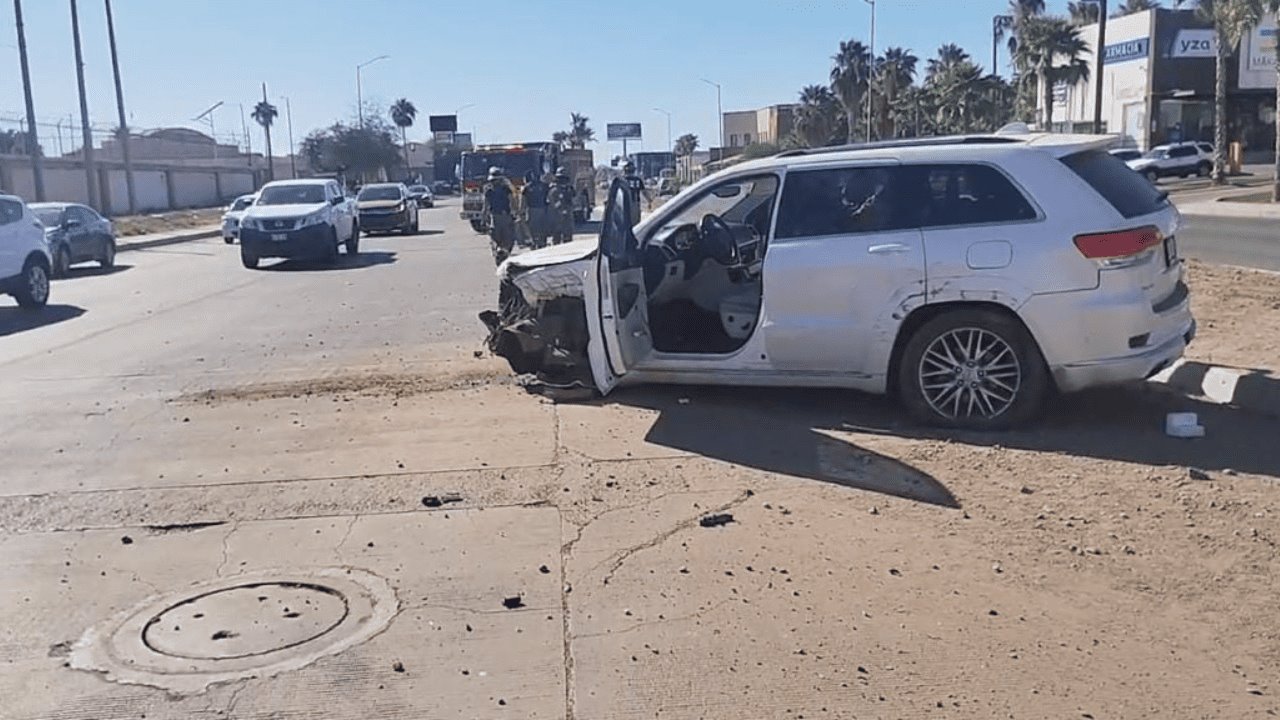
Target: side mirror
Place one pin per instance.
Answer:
(337, 200)
(71, 223)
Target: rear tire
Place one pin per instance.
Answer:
(972, 369)
(1204, 169)
(228, 239)
(33, 292)
(331, 247)
(1152, 176)
(248, 259)
(61, 263)
(353, 243)
(108, 259)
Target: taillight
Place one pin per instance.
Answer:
(1121, 244)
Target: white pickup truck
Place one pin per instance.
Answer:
(299, 218)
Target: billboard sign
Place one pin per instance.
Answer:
(443, 137)
(1126, 51)
(443, 123)
(1258, 56)
(1194, 43)
(622, 131)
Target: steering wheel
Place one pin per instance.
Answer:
(721, 245)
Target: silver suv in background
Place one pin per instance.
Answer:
(1174, 160)
(25, 262)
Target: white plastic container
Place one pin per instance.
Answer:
(1183, 425)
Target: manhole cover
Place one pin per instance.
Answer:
(246, 620)
(246, 626)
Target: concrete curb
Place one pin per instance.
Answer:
(1224, 207)
(124, 245)
(1256, 391)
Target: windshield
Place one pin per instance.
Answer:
(380, 192)
(418, 189)
(241, 204)
(1157, 154)
(49, 217)
(291, 195)
(475, 166)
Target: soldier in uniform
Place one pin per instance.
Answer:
(535, 203)
(497, 207)
(560, 200)
(635, 186)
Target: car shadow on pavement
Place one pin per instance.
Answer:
(14, 320)
(345, 262)
(94, 271)
(780, 432)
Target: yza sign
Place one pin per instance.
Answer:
(1194, 43)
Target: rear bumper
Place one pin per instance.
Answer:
(1129, 368)
(308, 242)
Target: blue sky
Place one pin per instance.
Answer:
(524, 64)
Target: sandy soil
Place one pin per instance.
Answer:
(165, 222)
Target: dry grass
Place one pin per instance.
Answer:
(165, 222)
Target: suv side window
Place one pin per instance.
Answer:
(967, 194)
(85, 216)
(10, 212)
(843, 201)
(1183, 151)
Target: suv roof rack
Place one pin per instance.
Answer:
(908, 142)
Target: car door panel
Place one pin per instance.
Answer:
(844, 262)
(617, 303)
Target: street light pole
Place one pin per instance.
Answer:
(871, 72)
(1097, 67)
(207, 116)
(359, 92)
(670, 147)
(288, 113)
(33, 144)
(124, 128)
(90, 175)
(719, 113)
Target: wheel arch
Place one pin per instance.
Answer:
(923, 314)
(37, 257)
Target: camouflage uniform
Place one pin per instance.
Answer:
(535, 203)
(560, 200)
(497, 207)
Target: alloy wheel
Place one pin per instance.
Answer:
(969, 372)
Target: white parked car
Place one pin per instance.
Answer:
(231, 218)
(1175, 160)
(25, 262)
(299, 219)
(969, 276)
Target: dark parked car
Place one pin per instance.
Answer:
(76, 234)
(423, 195)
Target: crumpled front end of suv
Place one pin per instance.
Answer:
(540, 326)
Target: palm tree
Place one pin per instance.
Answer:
(1083, 12)
(1020, 13)
(686, 145)
(817, 116)
(849, 78)
(1131, 7)
(895, 71)
(1043, 40)
(1231, 20)
(403, 114)
(579, 132)
(949, 56)
(264, 113)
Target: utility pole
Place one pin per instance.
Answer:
(248, 139)
(124, 128)
(719, 113)
(33, 144)
(871, 72)
(90, 175)
(288, 113)
(207, 116)
(1097, 67)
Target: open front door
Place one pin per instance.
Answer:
(617, 304)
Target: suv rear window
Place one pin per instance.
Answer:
(1127, 191)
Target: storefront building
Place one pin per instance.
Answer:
(1252, 111)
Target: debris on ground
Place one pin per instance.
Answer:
(126, 540)
(513, 603)
(716, 520)
(435, 501)
(544, 570)
(1196, 473)
(398, 666)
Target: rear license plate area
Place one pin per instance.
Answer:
(1170, 251)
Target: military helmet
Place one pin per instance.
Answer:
(628, 166)
(562, 173)
(495, 172)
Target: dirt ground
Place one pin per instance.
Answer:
(165, 222)
(1085, 567)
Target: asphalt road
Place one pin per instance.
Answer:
(302, 491)
(1232, 241)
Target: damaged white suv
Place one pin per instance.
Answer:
(968, 275)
